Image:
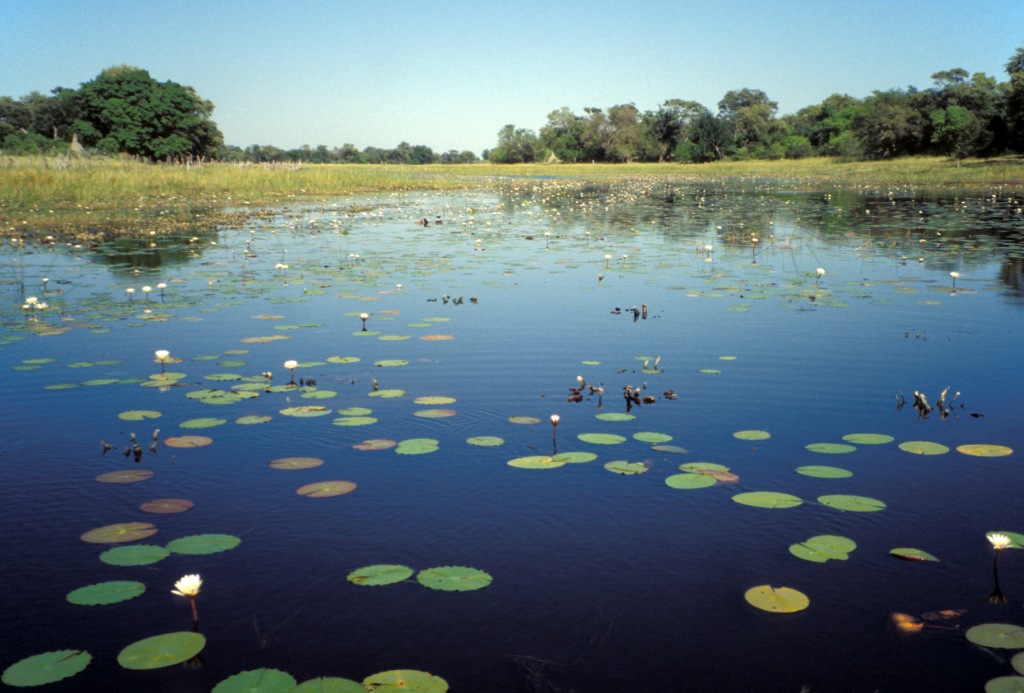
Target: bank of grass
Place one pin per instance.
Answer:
(99, 196)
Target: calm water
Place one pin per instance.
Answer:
(601, 582)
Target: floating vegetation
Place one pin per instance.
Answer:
(382, 574)
(106, 592)
(137, 554)
(778, 600)
(824, 472)
(627, 468)
(923, 447)
(48, 667)
(485, 441)
(830, 448)
(203, 544)
(452, 578)
(187, 441)
(767, 499)
(119, 533)
(908, 554)
(417, 446)
(326, 489)
(257, 681)
(161, 651)
(856, 504)
(752, 435)
(167, 506)
(824, 547)
(125, 476)
(291, 463)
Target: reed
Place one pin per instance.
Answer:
(119, 195)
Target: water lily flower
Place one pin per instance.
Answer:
(31, 300)
(555, 418)
(955, 275)
(364, 317)
(291, 365)
(146, 290)
(999, 541)
(188, 586)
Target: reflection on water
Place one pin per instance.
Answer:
(601, 581)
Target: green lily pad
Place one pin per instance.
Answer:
(857, 504)
(767, 499)
(391, 363)
(382, 574)
(417, 446)
(257, 681)
(535, 462)
(203, 544)
(923, 447)
(388, 394)
(454, 578)
(47, 667)
(1002, 635)
(626, 468)
(343, 359)
(651, 437)
(985, 450)
(253, 419)
(689, 480)
(125, 476)
(406, 681)
(329, 684)
(306, 411)
(434, 400)
(574, 457)
(830, 448)
(202, 423)
(355, 411)
(290, 463)
(670, 448)
(138, 554)
(1017, 662)
(376, 444)
(752, 435)
(319, 394)
(824, 472)
(223, 377)
(486, 441)
(710, 371)
(614, 416)
(355, 421)
(162, 650)
(434, 413)
(524, 420)
(119, 533)
(823, 548)
(601, 438)
(778, 600)
(868, 438)
(106, 593)
(913, 555)
(139, 415)
(326, 489)
(1005, 684)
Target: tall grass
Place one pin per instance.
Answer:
(59, 192)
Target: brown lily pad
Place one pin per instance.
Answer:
(288, 463)
(187, 441)
(325, 489)
(376, 444)
(167, 506)
(125, 476)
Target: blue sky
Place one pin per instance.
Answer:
(450, 74)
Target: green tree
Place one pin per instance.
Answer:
(956, 130)
(709, 140)
(515, 146)
(126, 110)
(563, 135)
(750, 115)
(624, 138)
(889, 125)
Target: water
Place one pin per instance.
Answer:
(601, 582)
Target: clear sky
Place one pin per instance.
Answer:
(450, 73)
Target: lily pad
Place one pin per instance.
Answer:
(306, 411)
(257, 681)
(376, 444)
(119, 533)
(381, 574)
(767, 499)
(203, 544)
(868, 438)
(162, 650)
(390, 363)
(125, 476)
(913, 555)
(778, 600)
(824, 547)
(923, 447)
(326, 489)
(406, 681)
(139, 415)
(651, 437)
(137, 554)
(485, 441)
(106, 593)
(167, 506)
(434, 400)
(355, 411)
(329, 684)
(202, 423)
(45, 668)
(343, 359)
(752, 435)
(574, 457)
(1002, 635)
(417, 446)
(689, 480)
(388, 394)
(319, 394)
(453, 578)
(187, 441)
(614, 416)
(627, 468)
(824, 472)
(670, 448)
(830, 448)
(985, 450)
(253, 419)
(525, 420)
(535, 462)
(355, 421)
(289, 463)
(857, 504)
(601, 438)
(434, 413)
(1005, 684)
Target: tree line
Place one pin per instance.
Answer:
(961, 115)
(125, 111)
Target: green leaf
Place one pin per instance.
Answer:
(405, 681)
(306, 411)
(390, 363)
(824, 472)
(355, 411)
(690, 481)
(382, 574)
(535, 462)
(868, 438)
(1003, 635)
(767, 499)
(913, 555)
(626, 468)
(417, 446)
(203, 544)
(139, 415)
(253, 419)
(202, 423)
(1005, 684)
(752, 435)
(326, 489)
(452, 578)
(923, 447)
(47, 667)
(601, 438)
(985, 450)
(574, 457)
(106, 593)
(352, 421)
(121, 532)
(486, 441)
(292, 463)
(162, 650)
(651, 437)
(824, 547)
(779, 600)
(138, 554)
(257, 681)
(857, 504)
(388, 394)
(329, 684)
(830, 448)
(614, 416)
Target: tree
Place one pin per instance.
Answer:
(956, 130)
(515, 146)
(597, 134)
(669, 126)
(126, 110)
(563, 135)
(624, 139)
(889, 125)
(709, 140)
(750, 115)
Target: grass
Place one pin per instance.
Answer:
(85, 198)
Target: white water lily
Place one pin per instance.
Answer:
(162, 354)
(999, 541)
(188, 586)
(555, 418)
(291, 364)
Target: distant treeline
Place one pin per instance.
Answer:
(125, 111)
